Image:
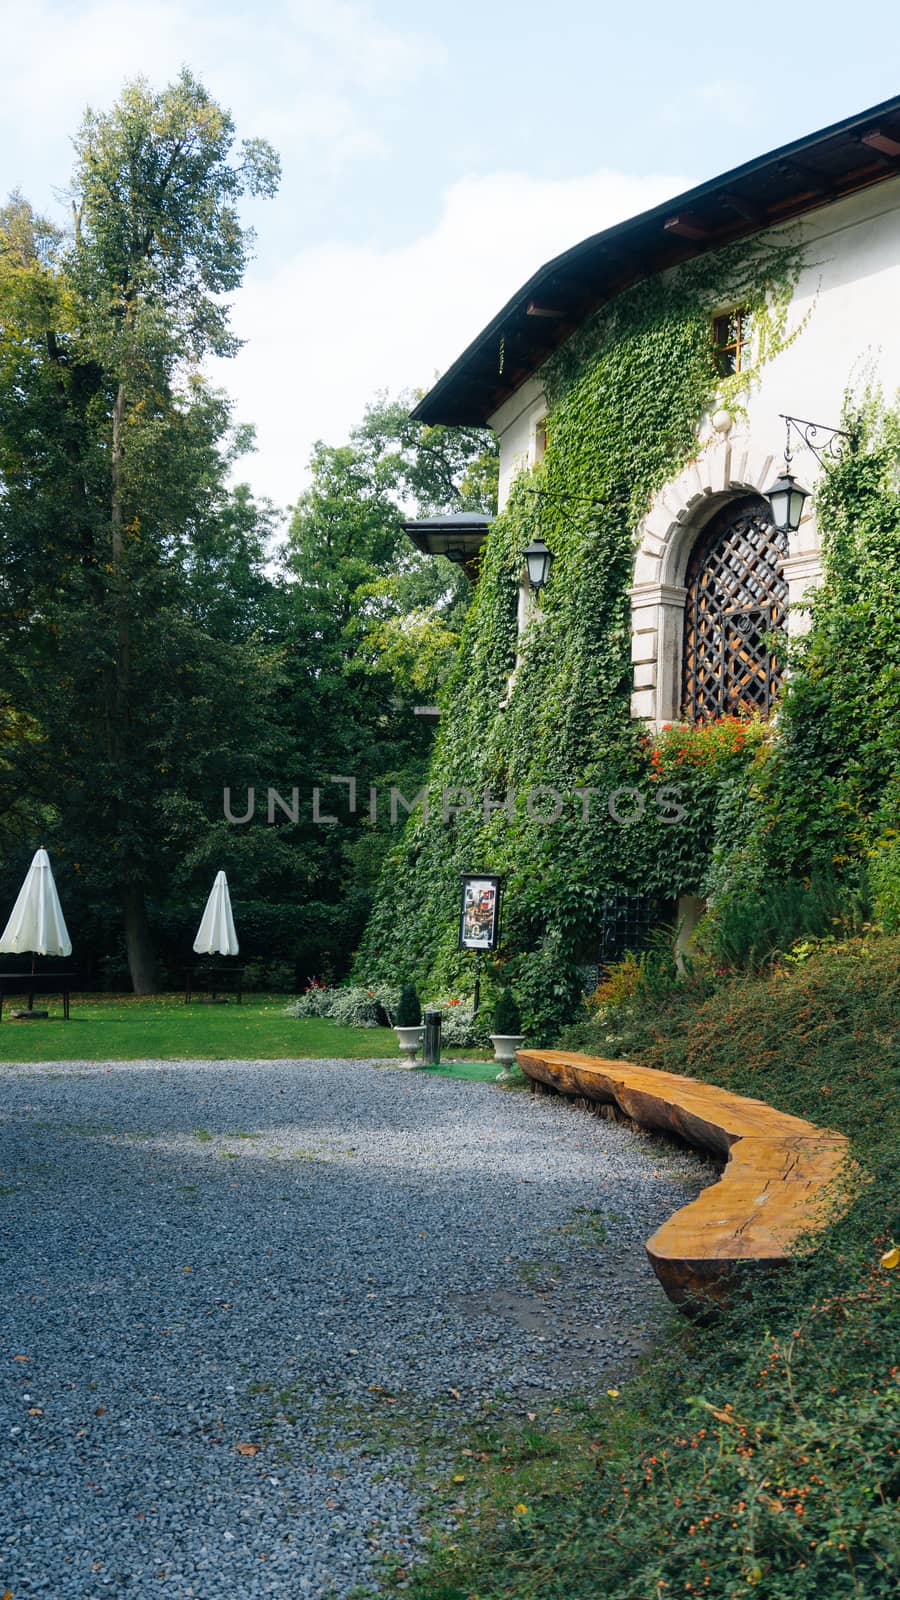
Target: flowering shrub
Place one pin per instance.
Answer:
(356, 1006)
(315, 1001)
(622, 981)
(350, 1005)
(710, 745)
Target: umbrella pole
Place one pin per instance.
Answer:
(31, 996)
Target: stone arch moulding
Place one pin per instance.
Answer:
(725, 470)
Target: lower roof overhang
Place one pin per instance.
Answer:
(458, 536)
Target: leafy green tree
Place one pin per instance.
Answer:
(385, 619)
(153, 655)
(114, 512)
(433, 468)
(389, 610)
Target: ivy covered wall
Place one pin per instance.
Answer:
(821, 801)
(626, 398)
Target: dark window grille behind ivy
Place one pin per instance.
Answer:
(627, 922)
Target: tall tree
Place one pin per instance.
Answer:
(385, 619)
(113, 462)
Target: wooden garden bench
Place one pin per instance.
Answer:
(779, 1177)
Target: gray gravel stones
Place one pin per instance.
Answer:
(201, 1255)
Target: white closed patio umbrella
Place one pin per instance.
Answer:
(37, 923)
(216, 935)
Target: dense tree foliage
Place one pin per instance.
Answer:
(156, 648)
(114, 457)
(382, 622)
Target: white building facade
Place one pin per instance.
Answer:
(844, 219)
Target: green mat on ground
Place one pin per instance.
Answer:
(475, 1071)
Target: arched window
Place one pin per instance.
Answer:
(736, 599)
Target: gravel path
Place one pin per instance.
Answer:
(204, 1256)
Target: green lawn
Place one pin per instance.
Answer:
(125, 1028)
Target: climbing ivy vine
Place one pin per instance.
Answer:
(550, 710)
(823, 801)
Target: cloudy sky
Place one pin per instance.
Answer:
(434, 155)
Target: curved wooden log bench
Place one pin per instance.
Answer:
(778, 1179)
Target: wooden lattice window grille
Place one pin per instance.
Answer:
(736, 602)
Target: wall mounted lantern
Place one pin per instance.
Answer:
(537, 557)
(538, 560)
(786, 499)
(786, 496)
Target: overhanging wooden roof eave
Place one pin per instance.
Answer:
(473, 389)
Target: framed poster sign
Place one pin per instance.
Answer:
(479, 916)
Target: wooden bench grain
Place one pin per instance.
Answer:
(778, 1185)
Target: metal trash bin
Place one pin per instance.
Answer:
(431, 1041)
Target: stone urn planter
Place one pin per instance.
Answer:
(410, 1042)
(505, 1047)
(506, 1037)
(408, 1024)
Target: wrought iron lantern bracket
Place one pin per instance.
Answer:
(808, 433)
(558, 495)
(786, 496)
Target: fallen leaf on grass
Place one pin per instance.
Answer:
(248, 1449)
(459, 1477)
(455, 1393)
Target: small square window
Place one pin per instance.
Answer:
(732, 339)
